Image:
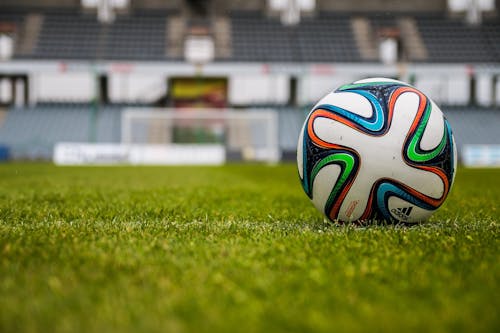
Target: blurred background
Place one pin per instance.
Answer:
(194, 81)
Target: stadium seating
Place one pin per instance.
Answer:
(249, 36)
(451, 40)
(12, 16)
(32, 132)
(491, 31)
(139, 37)
(254, 37)
(68, 34)
(326, 37)
(473, 125)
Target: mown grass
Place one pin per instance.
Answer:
(237, 248)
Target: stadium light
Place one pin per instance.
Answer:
(199, 50)
(6, 46)
(290, 10)
(105, 8)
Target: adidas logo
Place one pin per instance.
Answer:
(402, 212)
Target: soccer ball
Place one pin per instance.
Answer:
(376, 149)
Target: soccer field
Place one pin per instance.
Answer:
(237, 248)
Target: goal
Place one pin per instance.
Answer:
(247, 135)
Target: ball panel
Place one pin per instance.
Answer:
(405, 211)
(373, 82)
(405, 109)
(372, 125)
(323, 184)
(349, 101)
(387, 189)
(356, 200)
(434, 130)
(332, 131)
(380, 79)
(413, 151)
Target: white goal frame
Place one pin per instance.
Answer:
(269, 152)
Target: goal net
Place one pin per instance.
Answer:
(195, 134)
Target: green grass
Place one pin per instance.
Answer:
(234, 249)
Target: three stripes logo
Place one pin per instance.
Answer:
(402, 212)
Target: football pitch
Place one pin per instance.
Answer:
(237, 248)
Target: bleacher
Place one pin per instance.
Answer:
(452, 40)
(139, 37)
(324, 37)
(327, 38)
(68, 35)
(72, 34)
(32, 132)
(253, 36)
(473, 125)
(13, 16)
(491, 31)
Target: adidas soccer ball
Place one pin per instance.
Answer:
(376, 149)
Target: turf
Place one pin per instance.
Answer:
(237, 248)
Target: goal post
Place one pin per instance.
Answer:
(247, 135)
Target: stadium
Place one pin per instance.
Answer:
(148, 163)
